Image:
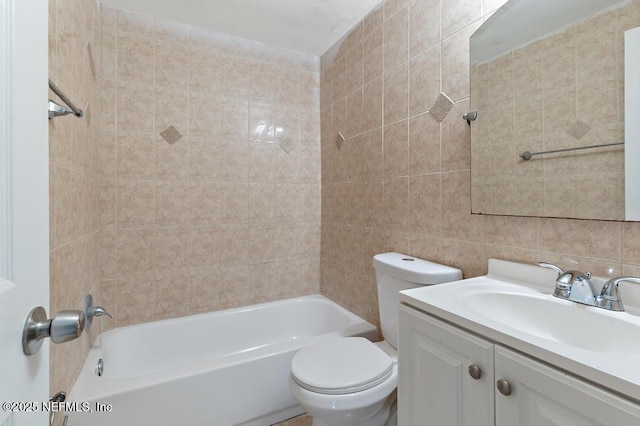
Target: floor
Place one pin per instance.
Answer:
(303, 420)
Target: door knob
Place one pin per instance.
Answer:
(66, 326)
(63, 327)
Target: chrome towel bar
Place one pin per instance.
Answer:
(527, 155)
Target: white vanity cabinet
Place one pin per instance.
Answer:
(542, 395)
(436, 386)
(434, 383)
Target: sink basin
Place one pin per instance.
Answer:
(557, 320)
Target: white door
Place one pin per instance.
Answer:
(541, 395)
(24, 205)
(445, 376)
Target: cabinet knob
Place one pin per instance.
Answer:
(504, 387)
(475, 372)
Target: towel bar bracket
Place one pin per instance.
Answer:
(58, 110)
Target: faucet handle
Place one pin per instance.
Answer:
(91, 311)
(610, 295)
(563, 281)
(551, 266)
(99, 311)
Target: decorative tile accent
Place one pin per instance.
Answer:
(441, 107)
(171, 135)
(287, 145)
(579, 129)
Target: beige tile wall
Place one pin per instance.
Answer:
(74, 53)
(401, 181)
(563, 91)
(224, 217)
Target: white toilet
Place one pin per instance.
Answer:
(349, 381)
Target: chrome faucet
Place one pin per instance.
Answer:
(577, 287)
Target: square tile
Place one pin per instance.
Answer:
(441, 107)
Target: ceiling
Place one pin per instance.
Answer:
(309, 26)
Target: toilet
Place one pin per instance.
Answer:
(350, 381)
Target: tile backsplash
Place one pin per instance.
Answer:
(229, 213)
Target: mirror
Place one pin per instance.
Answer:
(548, 75)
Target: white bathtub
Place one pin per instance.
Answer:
(219, 369)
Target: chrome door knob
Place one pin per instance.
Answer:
(475, 372)
(504, 387)
(66, 326)
(63, 327)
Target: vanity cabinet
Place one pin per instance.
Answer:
(449, 377)
(542, 395)
(434, 383)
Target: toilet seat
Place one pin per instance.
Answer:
(341, 366)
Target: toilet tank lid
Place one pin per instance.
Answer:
(412, 269)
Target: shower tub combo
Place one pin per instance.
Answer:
(223, 368)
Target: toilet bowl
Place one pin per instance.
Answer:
(350, 381)
(344, 381)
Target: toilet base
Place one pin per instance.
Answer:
(385, 416)
(393, 413)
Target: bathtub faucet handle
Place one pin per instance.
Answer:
(99, 311)
(91, 311)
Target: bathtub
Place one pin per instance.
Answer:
(218, 369)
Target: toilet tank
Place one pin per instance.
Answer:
(396, 272)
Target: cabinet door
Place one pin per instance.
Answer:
(435, 387)
(541, 395)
